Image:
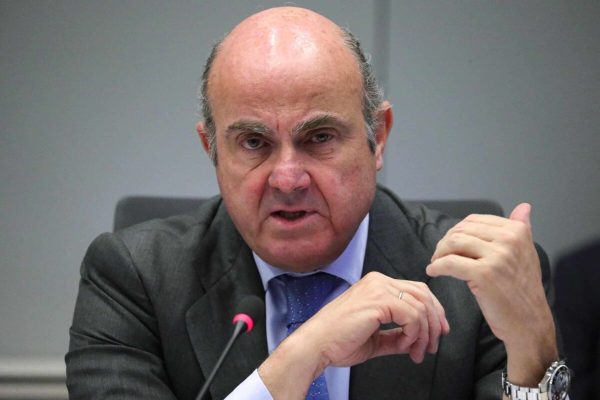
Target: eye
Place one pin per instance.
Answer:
(320, 137)
(253, 143)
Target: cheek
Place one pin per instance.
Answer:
(359, 173)
(349, 192)
(241, 190)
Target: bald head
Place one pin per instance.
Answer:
(286, 44)
(290, 30)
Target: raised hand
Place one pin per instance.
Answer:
(497, 259)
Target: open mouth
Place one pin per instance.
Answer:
(290, 215)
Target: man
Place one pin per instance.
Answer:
(297, 130)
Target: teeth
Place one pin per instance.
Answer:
(291, 215)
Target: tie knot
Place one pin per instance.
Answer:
(305, 296)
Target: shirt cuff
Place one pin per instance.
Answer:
(251, 388)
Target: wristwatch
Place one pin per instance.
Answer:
(554, 385)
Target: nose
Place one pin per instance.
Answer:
(288, 174)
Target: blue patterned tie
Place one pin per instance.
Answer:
(305, 296)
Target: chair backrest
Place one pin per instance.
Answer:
(135, 209)
(132, 210)
(461, 208)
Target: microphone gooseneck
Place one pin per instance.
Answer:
(249, 311)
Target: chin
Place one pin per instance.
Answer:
(301, 266)
(302, 259)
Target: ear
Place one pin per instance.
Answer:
(200, 128)
(385, 118)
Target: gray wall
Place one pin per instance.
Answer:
(492, 99)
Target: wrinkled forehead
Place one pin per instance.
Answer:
(285, 28)
(290, 48)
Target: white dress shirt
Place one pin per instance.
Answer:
(348, 266)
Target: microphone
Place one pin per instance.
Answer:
(248, 312)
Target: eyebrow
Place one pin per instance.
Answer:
(318, 121)
(303, 126)
(248, 126)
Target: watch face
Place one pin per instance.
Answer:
(560, 382)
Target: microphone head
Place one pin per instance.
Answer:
(250, 310)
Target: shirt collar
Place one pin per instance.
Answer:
(348, 266)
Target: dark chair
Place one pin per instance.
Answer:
(135, 209)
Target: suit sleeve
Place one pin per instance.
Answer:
(114, 350)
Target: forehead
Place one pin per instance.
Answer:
(289, 67)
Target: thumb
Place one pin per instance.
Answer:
(522, 213)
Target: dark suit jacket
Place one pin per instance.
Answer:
(155, 305)
(576, 278)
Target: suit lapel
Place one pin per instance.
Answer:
(394, 250)
(230, 275)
